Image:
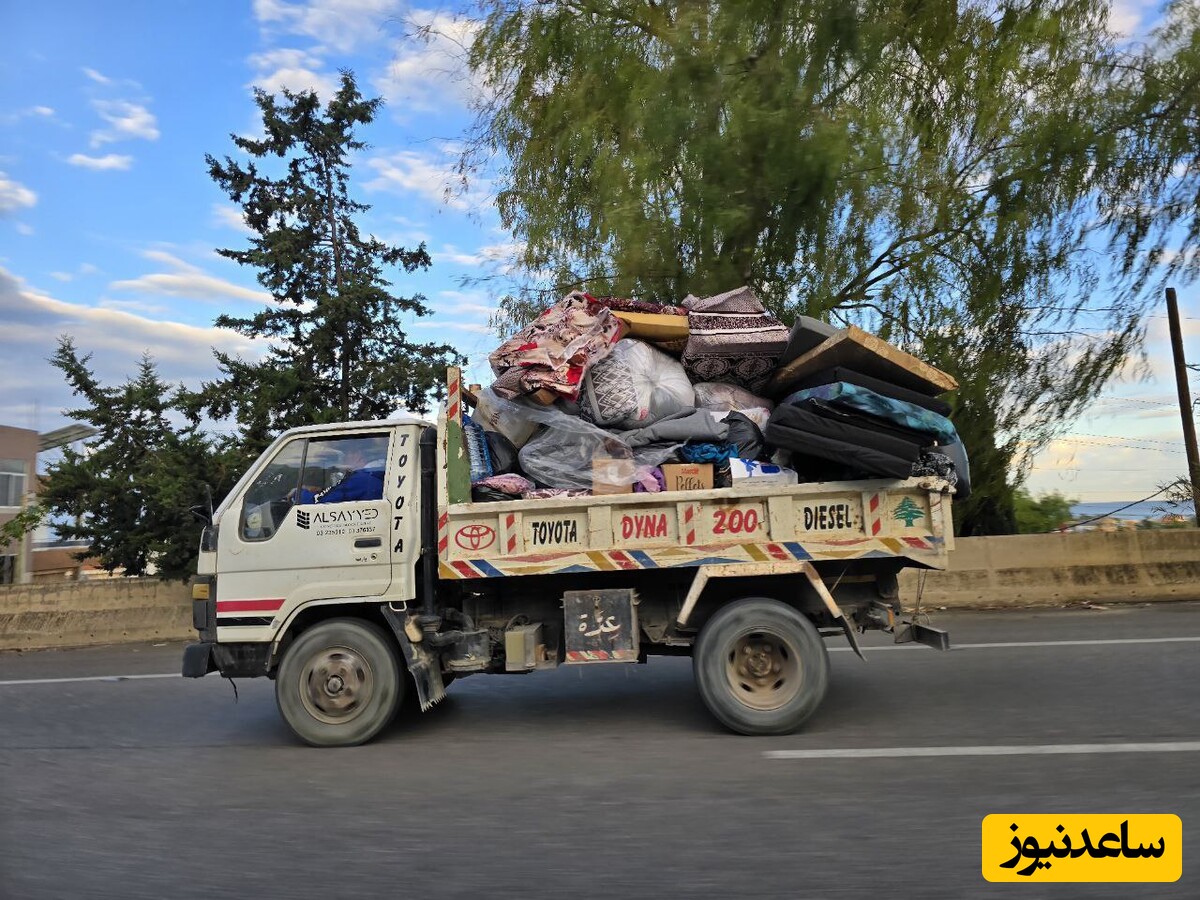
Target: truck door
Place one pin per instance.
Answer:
(313, 524)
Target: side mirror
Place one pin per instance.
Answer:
(204, 513)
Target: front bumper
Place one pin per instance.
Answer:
(244, 660)
(198, 660)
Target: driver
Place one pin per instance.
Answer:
(365, 465)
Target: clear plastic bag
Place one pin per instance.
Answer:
(561, 450)
(505, 417)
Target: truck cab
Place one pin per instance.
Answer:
(328, 515)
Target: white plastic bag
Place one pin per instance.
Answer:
(714, 395)
(660, 383)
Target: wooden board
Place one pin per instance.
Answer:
(654, 327)
(856, 349)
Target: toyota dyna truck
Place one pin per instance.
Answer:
(353, 604)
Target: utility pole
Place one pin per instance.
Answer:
(1185, 401)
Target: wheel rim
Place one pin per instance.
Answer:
(336, 684)
(763, 670)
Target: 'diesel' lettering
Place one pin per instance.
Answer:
(830, 517)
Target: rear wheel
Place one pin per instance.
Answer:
(761, 667)
(339, 683)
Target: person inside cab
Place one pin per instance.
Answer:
(364, 465)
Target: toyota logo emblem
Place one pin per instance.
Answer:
(475, 537)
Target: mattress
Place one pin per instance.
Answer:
(834, 374)
(816, 429)
(807, 334)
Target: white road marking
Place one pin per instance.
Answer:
(867, 650)
(999, 750)
(87, 678)
(1000, 645)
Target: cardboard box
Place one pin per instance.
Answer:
(688, 476)
(612, 476)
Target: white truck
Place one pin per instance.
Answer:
(351, 599)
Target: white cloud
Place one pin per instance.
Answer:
(108, 162)
(29, 112)
(493, 253)
(186, 280)
(169, 259)
(23, 228)
(343, 25)
(126, 121)
(296, 70)
(458, 303)
(426, 176)
(62, 276)
(430, 68)
(230, 217)
(14, 195)
(96, 76)
(470, 327)
(87, 269)
(1133, 18)
(32, 321)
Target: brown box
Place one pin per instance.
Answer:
(688, 476)
(612, 476)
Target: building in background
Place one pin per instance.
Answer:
(43, 555)
(18, 470)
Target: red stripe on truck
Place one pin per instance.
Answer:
(249, 605)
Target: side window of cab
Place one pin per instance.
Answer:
(272, 493)
(317, 470)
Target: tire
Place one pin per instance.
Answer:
(761, 667)
(339, 683)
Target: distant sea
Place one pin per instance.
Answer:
(1150, 509)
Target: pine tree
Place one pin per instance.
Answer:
(337, 344)
(130, 490)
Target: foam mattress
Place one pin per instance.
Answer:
(816, 429)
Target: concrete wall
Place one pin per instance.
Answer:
(1016, 570)
(1059, 569)
(75, 614)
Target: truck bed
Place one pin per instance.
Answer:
(747, 523)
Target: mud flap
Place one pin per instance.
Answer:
(423, 663)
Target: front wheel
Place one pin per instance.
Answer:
(761, 667)
(339, 683)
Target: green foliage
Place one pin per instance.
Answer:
(338, 349)
(128, 492)
(1152, 201)
(1177, 498)
(939, 173)
(28, 519)
(1041, 514)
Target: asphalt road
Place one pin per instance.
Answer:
(598, 781)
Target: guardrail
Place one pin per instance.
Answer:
(1063, 569)
(77, 614)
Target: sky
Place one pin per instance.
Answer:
(109, 222)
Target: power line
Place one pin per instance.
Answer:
(1123, 437)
